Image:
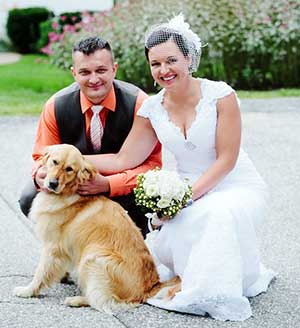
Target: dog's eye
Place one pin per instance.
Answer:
(68, 169)
(55, 162)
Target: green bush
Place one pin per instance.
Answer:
(257, 43)
(45, 27)
(251, 45)
(23, 27)
(4, 46)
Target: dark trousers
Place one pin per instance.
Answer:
(126, 201)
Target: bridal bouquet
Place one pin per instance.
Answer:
(163, 193)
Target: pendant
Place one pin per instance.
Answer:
(189, 145)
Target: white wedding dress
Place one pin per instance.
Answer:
(212, 245)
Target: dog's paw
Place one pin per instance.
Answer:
(24, 292)
(76, 301)
(162, 294)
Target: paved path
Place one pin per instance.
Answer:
(272, 140)
(9, 57)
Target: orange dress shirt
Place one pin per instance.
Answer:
(48, 134)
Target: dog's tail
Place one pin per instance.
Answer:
(165, 289)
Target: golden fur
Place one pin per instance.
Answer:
(91, 236)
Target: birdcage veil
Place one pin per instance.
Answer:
(179, 31)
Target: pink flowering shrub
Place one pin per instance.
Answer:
(51, 30)
(250, 44)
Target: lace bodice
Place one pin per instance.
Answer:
(195, 153)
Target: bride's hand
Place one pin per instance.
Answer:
(156, 220)
(164, 218)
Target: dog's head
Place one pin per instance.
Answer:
(65, 169)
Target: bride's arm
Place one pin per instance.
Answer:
(228, 138)
(137, 147)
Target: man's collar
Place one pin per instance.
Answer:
(108, 102)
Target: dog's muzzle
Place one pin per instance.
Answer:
(53, 184)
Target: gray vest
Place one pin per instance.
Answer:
(71, 121)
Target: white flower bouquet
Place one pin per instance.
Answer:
(163, 193)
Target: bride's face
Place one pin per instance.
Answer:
(168, 65)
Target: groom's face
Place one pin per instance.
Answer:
(94, 73)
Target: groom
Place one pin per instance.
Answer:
(70, 115)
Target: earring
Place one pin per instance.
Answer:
(154, 83)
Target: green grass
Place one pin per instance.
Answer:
(27, 84)
(269, 94)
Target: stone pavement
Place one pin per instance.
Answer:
(9, 57)
(271, 137)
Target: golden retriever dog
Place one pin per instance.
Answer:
(90, 236)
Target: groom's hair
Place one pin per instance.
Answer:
(91, 44)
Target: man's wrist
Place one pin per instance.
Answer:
(106, 187)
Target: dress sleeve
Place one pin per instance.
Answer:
(223, 90)
(144, 109)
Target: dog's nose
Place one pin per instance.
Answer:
(53, 184)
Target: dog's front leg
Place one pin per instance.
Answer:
(51, 268)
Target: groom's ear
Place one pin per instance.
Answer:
(115, 68)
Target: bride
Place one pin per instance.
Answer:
(212, 244)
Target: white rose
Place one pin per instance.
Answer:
(151, 190)
(148, 182)
(151, 174)
(163, 203)
(179, 194)
(166, 190)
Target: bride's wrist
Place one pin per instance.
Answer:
(189, 202)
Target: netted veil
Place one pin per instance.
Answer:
(177, 29)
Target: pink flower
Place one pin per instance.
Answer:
(55, 25)
(69, 28)
(53, 37)
(78, 26)
(47, 50)
(86, 19)
(63, 18)
(267, 19)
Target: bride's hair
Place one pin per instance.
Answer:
(162, 36)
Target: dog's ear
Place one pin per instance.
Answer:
(46, 155)
(86, 172)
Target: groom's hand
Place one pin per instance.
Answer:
(98, 185)
(40, 178)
